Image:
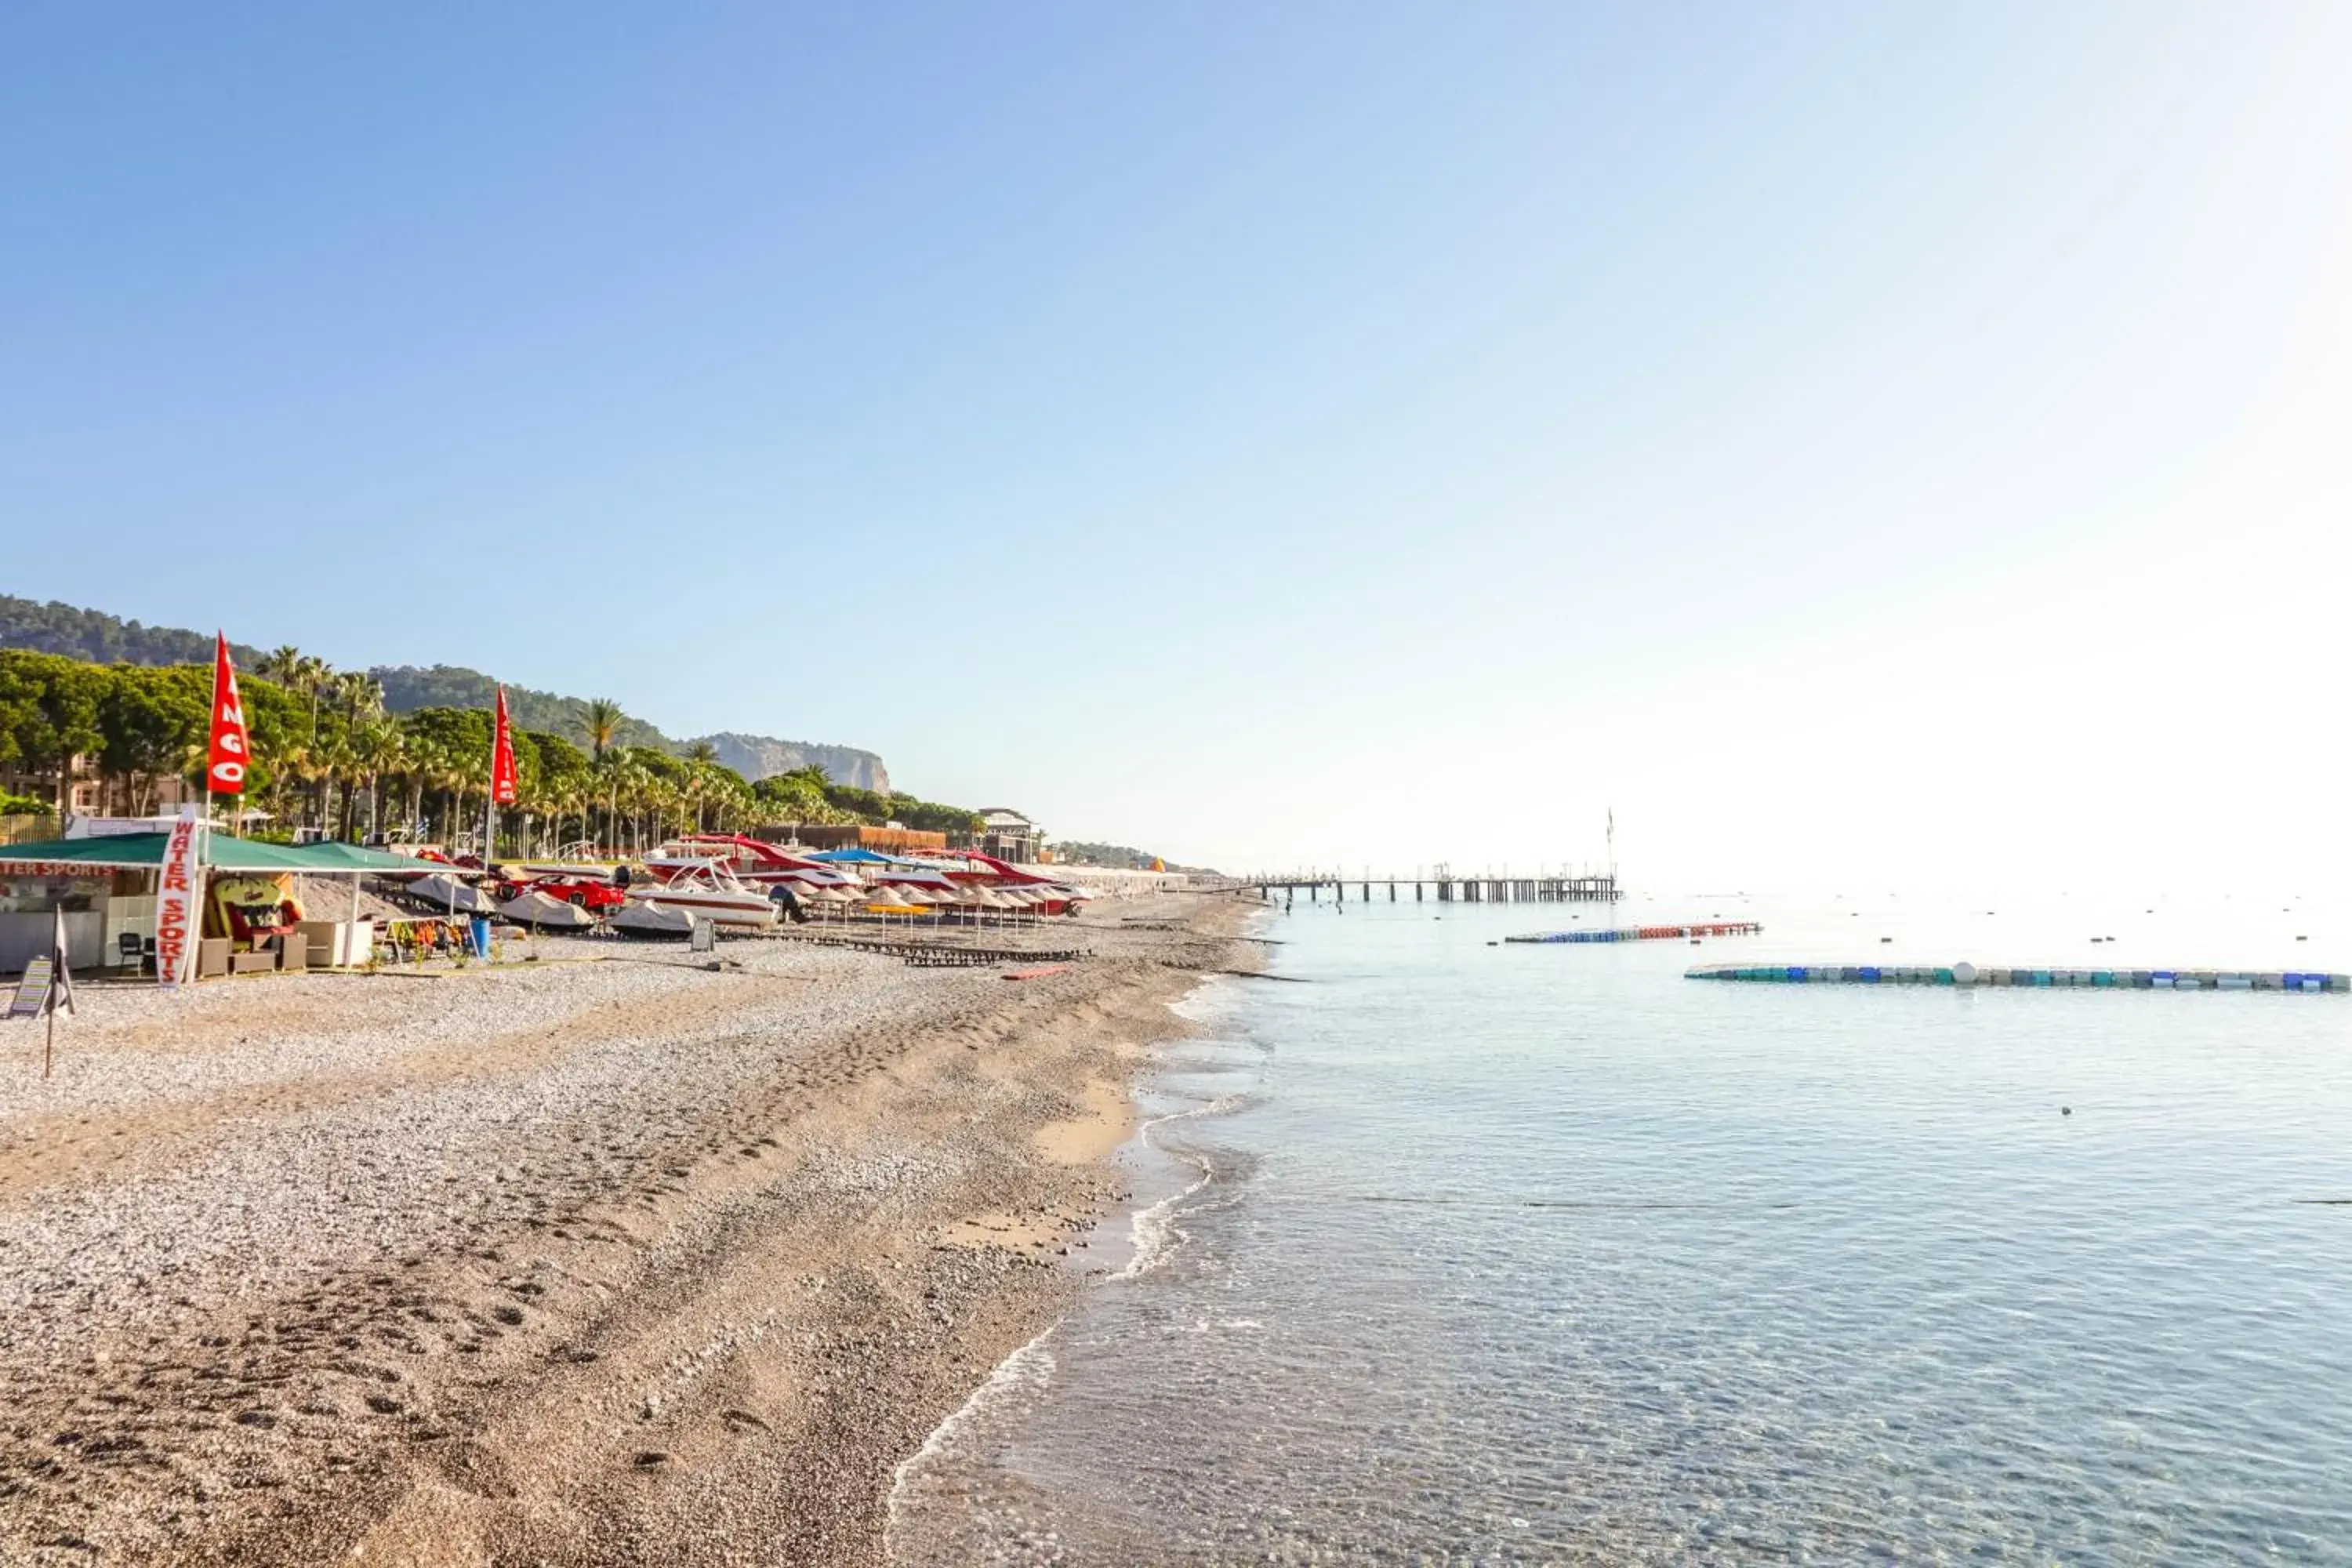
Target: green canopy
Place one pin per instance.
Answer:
(329, 856)
(122, 851)
(145, 852)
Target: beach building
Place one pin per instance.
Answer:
(104, 886)
(88, 792)
(1009, 836)
(890, 838)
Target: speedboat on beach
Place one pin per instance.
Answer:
(544, 911)
(594, 894)
(445, 892)
(744, 855)
(652, 918)
(708, 888)
(758, 865)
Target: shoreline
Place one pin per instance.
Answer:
(943, 1490)
(591, 1264)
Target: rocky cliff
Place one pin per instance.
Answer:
(757, 757)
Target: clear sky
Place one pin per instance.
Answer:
(1888, 445)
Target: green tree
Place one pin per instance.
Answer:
(49, 708)
(600, 723)
(151, 722)
(378, 748)
(283, 664)
(359, 696)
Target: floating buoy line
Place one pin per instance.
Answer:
(1970, 975)
(1644, 933)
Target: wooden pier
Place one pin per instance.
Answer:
(1438, 886)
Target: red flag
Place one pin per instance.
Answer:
(231, 752)
(502, 767)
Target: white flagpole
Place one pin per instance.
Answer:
(60, 984)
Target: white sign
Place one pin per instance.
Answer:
(32, 990)
(179, 900)
(115, 826)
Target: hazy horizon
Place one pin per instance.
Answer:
(1864, 448)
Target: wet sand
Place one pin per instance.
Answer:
(583, 1262)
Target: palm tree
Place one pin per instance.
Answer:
(377, 749)
(334, 761)
(292, 770)
(638, 787)
(360, 697)
(606, 787)
(600, 725)
(315, 675)
(473, 773)
(421, 767)
(701, 758)
(283, 664)
(564, 799)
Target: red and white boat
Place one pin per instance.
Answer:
(708, 888)
(1052, 896)
(756, 865)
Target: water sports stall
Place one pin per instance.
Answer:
(252, 918)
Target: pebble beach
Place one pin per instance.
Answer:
(614, 1256)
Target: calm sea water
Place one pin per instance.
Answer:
(1472, 1253)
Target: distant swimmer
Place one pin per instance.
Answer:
(2065, 1110)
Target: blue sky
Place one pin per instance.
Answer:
(1275, 435)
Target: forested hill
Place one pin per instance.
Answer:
(1120, 857)
(407, 688)
(102, 638)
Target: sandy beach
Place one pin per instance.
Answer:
(610, 1259)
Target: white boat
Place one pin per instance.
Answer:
(445, 892)
(647, 917)
(544, 911)
(707, 888)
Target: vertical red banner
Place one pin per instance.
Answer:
(502, 763)
(230, 755)
(179, 900)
